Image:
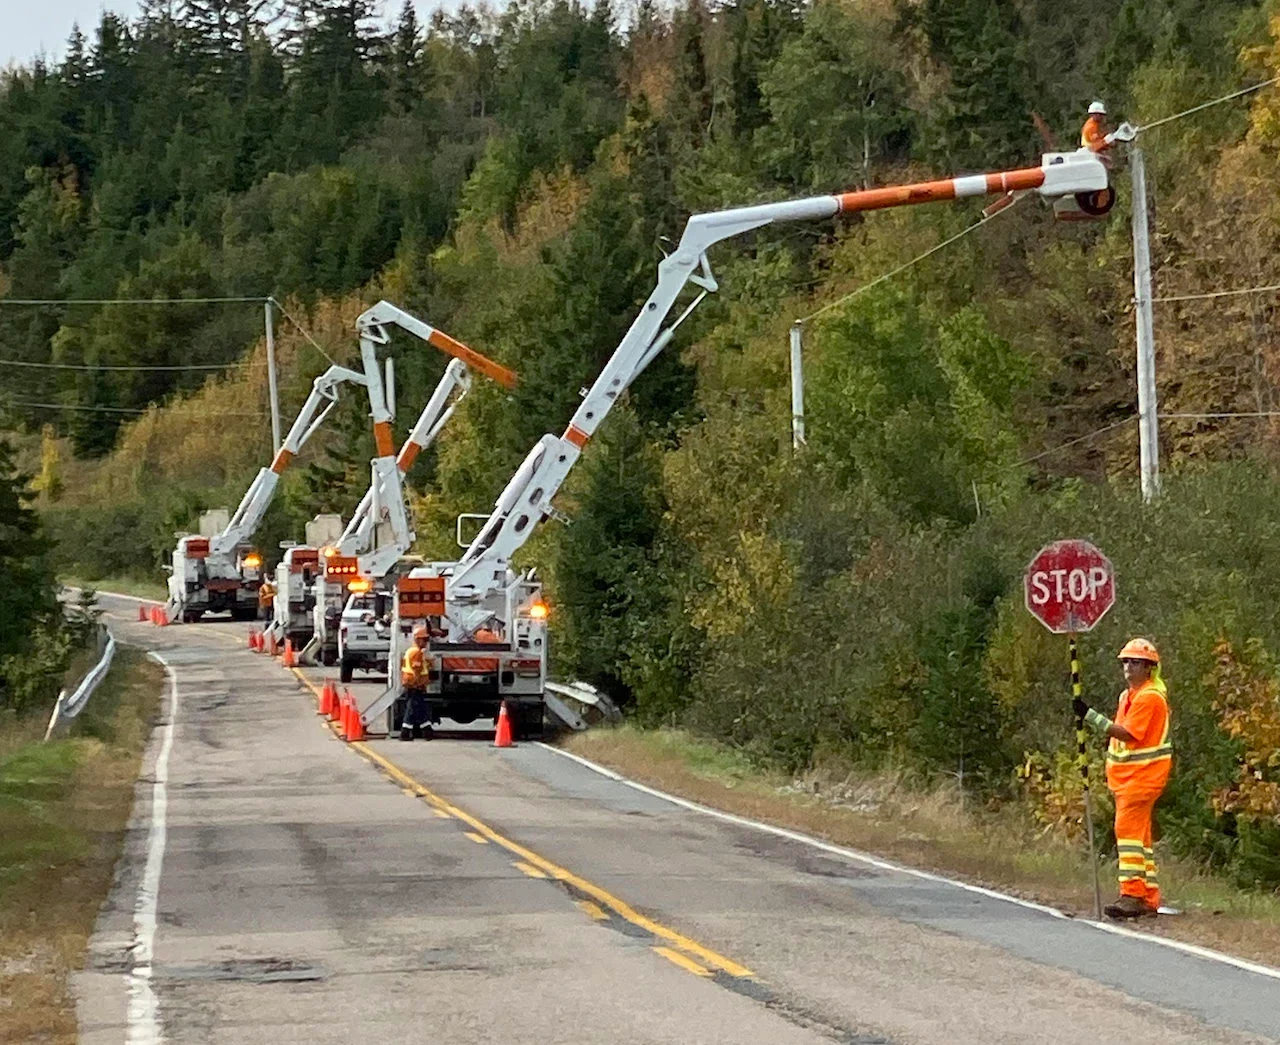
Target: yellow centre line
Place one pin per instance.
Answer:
(685, 962)
(552, 870)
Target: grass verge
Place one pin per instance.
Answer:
(63, 811)
(123, 585)
(934, 830)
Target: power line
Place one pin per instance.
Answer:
(1206, 105)
(906, 265)
(1072, 442)
(1219, 415)
(303, 331)
(101, 366)
(1208, 295)
(131, 301)
(115, 409)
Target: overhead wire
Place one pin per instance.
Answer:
(113, 409)
(1211, 294)
(985, 219)
(303, 331)
(1143, 128)
(133, 301)
(104, 366)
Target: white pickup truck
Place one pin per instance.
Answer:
(364, 634)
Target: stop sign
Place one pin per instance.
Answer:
(1070, 585)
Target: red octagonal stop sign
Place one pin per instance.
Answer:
(1070, 585)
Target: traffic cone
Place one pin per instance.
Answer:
(251, 639)
(151, 615)
(355, 727)
(273, 645)
(327, 696)
(344, 715)
(335, 706)
(142, 612)
(502, 737)
(255, 641)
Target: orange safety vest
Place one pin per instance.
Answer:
(1145, 764)
(413, 671)
(1093, 135)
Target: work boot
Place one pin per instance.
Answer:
(1127, 907)
(426, 732)
(406, 732)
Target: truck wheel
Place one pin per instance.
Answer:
(530, 725)
(346, 670)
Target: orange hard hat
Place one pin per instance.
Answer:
(1140, 649)
(420, 632)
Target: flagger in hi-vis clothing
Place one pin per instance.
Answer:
(1139, 760)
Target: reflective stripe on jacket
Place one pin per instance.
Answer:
(1144, 712)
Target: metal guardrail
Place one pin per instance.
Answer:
(69, 706)
(580, 693)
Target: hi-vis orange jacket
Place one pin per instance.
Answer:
(413, 670)
(1144, 765)
(1093, 135)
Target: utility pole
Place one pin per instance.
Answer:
(1148, 424)
(271, 377)
(797, 389)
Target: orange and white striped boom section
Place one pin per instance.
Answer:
(526, 501)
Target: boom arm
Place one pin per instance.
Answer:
(358, 536)
(257, 498)
(385, 498)
(527, 498)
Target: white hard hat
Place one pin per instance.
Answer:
(1097, 108)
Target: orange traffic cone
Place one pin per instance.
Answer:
(355, 727)
(502, 737)
(255, 641)
(287, 659)
(251, 634)
(335, 706)
(344, 715)
(322, 701)
(142, 612)
(273, 644)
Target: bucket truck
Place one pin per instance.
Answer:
(347, 629)
(483, 591)
(223, 572)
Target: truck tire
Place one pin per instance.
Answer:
(346, 670)
(529, 726)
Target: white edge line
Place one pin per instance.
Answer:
(886, 865)
(143, 1016)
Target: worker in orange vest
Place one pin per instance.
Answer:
(1093, 135)
(1139, 759)
(415, 674)
(266, 600)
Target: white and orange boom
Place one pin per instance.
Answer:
(526, 501)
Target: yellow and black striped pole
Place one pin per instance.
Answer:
(1082, 758)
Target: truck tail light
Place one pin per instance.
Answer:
(527, 669)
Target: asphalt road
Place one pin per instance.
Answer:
(282, 886)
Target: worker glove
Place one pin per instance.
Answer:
(1080, 708)
(1097, 721)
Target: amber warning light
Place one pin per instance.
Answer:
(539, 610)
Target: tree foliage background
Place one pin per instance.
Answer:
(509, 175)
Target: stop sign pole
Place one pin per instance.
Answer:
(1070, 585)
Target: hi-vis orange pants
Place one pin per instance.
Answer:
(1134, 806)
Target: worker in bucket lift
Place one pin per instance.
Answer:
(1139, 759)
(1093, 135)
(415, 673)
